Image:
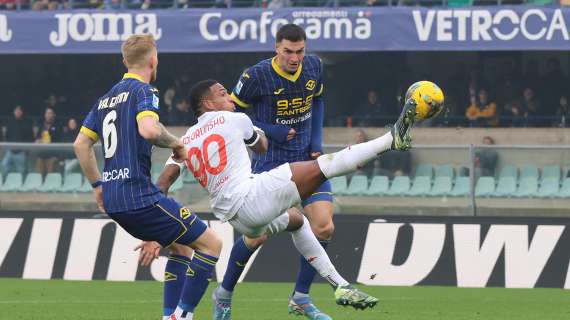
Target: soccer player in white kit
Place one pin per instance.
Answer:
(256, 204)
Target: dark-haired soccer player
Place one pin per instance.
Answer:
(257, 205)
(283, 96)
(126, 121)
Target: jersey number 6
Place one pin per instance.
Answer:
(110, 134)
(199, 160)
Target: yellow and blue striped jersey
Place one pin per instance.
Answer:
(272, 96)
(126, 177)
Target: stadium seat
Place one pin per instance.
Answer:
(85, 187)
(32, 183)
(564, 191)
(154, 176)
(548, 188)
(357, 186)
(13, 182)
(528, 188)
(550, 172)
(378, 186)
(509, 171)
(52, 183)
(445, 170)
(506, 187)
(424, 170)
(72, 183)
(530, 171)
(539, 2)
(420, 187)
(400, 186)
(338, 185)
(459, 3)
(485, 187)
(461, 187)
(441, 187)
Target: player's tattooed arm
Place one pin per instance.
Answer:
(155, 132)
(167, 177)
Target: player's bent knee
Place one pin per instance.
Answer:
(180, 250)
(209, 243)
(324, 231)
(254, 243)
(295, 219)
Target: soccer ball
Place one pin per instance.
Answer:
(428, 97)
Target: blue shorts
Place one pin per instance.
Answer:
(323, 192)
(165, 222)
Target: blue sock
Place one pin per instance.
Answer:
(238, 259)
(174, 277)
(306, 273)
(198, 277)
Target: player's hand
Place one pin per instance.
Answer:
(315, 154)
(291, 134)
(150, 251)
(179, 154)
(98, 194)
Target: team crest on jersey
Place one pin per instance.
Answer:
(239, 85)
(185, 213)
(154, 101)
(310, 84)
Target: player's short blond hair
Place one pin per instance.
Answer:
(137, 49)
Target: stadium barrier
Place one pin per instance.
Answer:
(400, 251)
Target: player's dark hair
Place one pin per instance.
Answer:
(291, 32)
(198, 92)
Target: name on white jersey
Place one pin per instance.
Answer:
(111, 102)
(219, 120)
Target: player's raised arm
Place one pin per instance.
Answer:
(258, 142)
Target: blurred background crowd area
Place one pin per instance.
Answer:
(483, 89)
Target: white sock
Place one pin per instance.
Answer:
(349, 159)
(165, 317)
(310, 248)
(179, 312)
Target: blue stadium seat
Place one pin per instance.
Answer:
(528, 188)
(358, 185)
(549, 188)
(400, 186)
(424, 170)
(564, 191)
(509, 171)
(461, 187)
(529, 171)
(420, 187)
(441, 187)
(506, 187)
(485, 187)
(32, 183)
(378, 186)
(445, 170)
(52, 183)
(13, 182)
(550, 172)
(71, 183)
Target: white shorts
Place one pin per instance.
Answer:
(271, 194)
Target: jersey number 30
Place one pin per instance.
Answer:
(110, 134)
(199, 160)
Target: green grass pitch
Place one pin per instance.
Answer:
(56, 299)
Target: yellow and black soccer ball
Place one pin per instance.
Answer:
(428, 97)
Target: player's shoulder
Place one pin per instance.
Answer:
(261, 66)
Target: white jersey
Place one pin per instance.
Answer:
(218, 158)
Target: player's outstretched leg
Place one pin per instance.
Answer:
(401, 129)
(350, 296)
